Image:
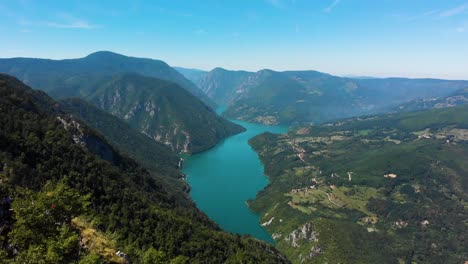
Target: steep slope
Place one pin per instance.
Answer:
(158, 158)
(293, 97)
(222, 85)
(379, 189)
(194, 75)
(66, 185)
(163, 111)
(460, 97)
(61, 78)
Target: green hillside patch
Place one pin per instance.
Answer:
(56, 169)
(162, 111)
(392, 186)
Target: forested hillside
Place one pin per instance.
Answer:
(376, 189)
(298, 97)
(457, 98)
(77, 77)
(162, 111)
(158, 158)
(68, 196)
(157, 100)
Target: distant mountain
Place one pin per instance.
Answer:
(67, 196)
(193, 75)
(160, 108)
(294, 97)
(460, 97)
(59, 77)
(162, 111)
(377, 189)
(222, 85)
(359, 77)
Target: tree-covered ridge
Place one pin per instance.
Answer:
(222, 85)
(184, 120)
(158, 158)
(65, 78)
(193, 75)
(65, 184)
(457, 98)
(295, 97)
(162, 111)
(377, 189)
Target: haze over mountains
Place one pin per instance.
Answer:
(58, 77)
(266, 96)
(68, 195)
(359, 179)
(293, 97)
(150, 95)
(459, 97)
(234, 132)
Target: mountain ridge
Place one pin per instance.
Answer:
(162, 111)
(313, 96)
(368, 184)
(56, 76)
(66, 185)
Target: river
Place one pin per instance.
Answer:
(223, 178)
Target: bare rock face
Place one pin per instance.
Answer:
(315, 251)
(305, 232)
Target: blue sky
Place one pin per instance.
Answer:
(413, 38)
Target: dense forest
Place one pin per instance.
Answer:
(163, 111)
(149, 95)
(304, 97)
(158, 158)
(64, 78)
(68, 196)
(376, 189)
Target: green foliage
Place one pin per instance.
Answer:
(57, 169)
(153, 256)
(294, 97)
(158, 101)
(90, 259)
(41, 226)
(163, 111)
(419, 216)
(457, 98)
(78, 77)
(158, 158)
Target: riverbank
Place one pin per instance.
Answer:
(223, 178)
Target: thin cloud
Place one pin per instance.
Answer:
(66, 21)
(174, 13)
(280, 4)
(76, 24)
(407, 18)
(454, 11)
(462, 28)
(275, 3)
(199, 32)
(331, 6)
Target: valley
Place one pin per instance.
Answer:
(297, 97)
(222, 179)
(389, 185)
(234, 132)
(296, 166)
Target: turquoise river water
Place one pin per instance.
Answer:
(223, 178)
